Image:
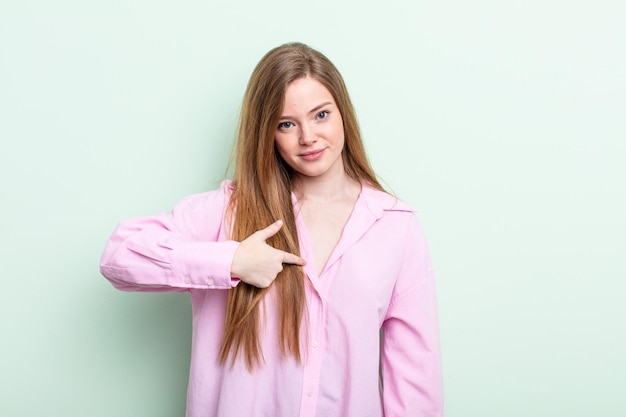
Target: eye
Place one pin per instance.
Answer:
(285, 125)
(323, 114)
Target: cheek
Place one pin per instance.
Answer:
(282, 146)
(338, 129)
(340, 135)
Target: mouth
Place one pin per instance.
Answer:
(312, 155)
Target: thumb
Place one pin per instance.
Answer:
(270, 230)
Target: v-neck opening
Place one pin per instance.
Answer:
(306, 246)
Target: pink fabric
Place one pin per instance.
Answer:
(378, 277)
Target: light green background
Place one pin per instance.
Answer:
(503, 122)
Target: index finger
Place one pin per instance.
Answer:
(290, 258)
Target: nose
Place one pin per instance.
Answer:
(307, 136)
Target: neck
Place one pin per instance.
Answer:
(325, 188)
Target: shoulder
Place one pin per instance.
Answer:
(392, 212)
(200, 216)
(380, 202)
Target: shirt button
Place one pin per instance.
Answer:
(314, 344)
(210, 282)
(187, 280)
(309, 393)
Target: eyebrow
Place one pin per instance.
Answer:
(313, 110)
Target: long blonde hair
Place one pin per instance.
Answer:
(262, 193)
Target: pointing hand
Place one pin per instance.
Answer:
(257, 263)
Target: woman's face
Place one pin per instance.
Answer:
(310, 136)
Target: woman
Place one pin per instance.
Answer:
(296, 265)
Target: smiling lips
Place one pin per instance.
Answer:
(312, 155)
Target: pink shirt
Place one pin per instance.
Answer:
(378, 277)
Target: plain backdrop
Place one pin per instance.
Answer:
(502, 122)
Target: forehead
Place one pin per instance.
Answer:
(306, 92)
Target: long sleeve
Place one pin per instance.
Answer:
(411, 363)
(172, 252)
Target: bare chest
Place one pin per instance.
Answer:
(325, 224)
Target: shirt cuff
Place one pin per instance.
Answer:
(206, 265)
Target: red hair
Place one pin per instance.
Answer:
(262, 193)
